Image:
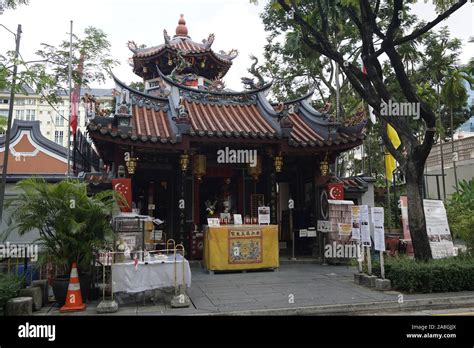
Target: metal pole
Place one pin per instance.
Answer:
(9, 122)
(441, 146)
(292, 236)
(452, 152)
(70, 107)
(382, 267)
(437, 185)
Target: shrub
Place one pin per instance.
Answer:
(440, 275)
(460, 210)
(70, 222)
(9, 287)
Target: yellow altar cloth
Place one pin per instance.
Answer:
(242, 247)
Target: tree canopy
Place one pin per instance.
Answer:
(374, 44)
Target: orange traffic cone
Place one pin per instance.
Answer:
(74, 297)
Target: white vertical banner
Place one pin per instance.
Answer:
(437, 227)
(364, 225)
(379, 232)
(355, 216)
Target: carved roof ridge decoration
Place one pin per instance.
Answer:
(296, 100)
(137, 92)
(215, 93)
(188, 45)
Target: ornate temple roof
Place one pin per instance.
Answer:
(201, 114)
(179, 107)
(205, 62)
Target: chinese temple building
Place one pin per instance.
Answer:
(194, 148)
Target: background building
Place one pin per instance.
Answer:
(53, 119)
(464, 147)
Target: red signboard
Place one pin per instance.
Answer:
(336, 191)
(124, 187)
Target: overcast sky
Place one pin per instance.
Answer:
(236, 24)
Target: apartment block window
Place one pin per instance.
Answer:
(59, 137)
(19, 114)
(20, 101)
(4, 113)
(3, 101)
(30, 115)
(30, 102)
(59, 120)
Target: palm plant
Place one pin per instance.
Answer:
(3, 124)
(71, 223)
(454, 95)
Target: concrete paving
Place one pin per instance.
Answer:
(294, 289)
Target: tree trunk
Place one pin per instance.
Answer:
(416, 215)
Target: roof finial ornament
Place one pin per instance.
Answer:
(181, 29)
(166, 36)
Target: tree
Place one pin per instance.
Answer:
(454, 95)
(50, 73)
(139, 86)
(3, 124)
(90, 58)
(380, 33)
(13, 4)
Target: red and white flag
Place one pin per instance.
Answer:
(124, 187)
(74, 109)
(135, 261)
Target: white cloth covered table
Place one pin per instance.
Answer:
(153, 275)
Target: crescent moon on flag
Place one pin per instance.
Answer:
(331, 195)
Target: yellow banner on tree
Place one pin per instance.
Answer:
(390, 162)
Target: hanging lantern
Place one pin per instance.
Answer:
(278, 163)
(199, 166)
(131, 164)
(170, 61)
(255, 171)
(184, 161)
(324, 166)
(203, 62)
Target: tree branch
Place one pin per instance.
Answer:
(420, 31)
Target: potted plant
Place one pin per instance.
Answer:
(71, 225)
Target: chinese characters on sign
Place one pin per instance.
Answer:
(245, 246)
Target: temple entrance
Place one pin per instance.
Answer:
(153, 195)
(219, 193)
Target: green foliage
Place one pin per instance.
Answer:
(91, 53)
(460, 210)
(10, 284)
(90, 59)
(438, 275)
(13, 4)
(71, 223)
(139, 86)
(3, 124)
